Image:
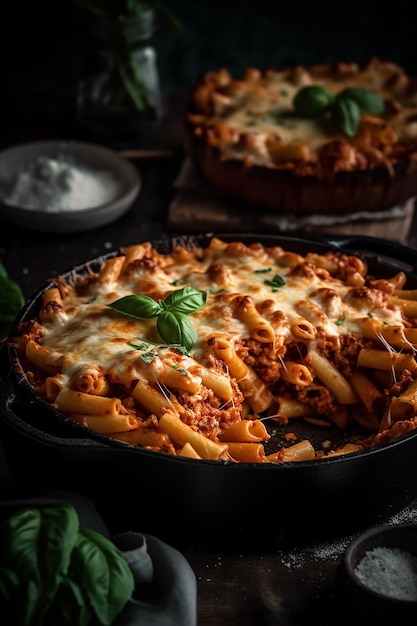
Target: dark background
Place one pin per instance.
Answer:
(42, 41)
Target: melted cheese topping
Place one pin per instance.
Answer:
(249, 276)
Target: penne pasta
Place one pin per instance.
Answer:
(288, 408)
(408, 306)
(331, 377)
(146, 437)
(246, 452)
(296, 373)
(367, 391)
(52, 306)
(405, 405)
(302, 451)
(89, 379)
(245, 431)
(302, 329)
(49, 361)
(244, 309)
(182, 434)
(106, 424)
(70, 401)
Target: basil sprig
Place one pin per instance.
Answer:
(173, 324)
(52, 571)
(275, 283)
(344, 108)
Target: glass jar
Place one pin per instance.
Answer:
(119, 95)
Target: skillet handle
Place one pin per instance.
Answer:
(396, 253)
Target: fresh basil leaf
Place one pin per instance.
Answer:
(143, 346)
(263, 271)
(312, 101)
(186, 300)
(105, 574)
(175, 346)
(139, 307)
(346, 115)
(9, 581)
(3, 271)
(71, 605)
(11, 596)
(11, 299)
(276, 282)
(367, 100)
(41, 541)
(177, 328)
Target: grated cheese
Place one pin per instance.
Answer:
(53, 185)
(389, 571)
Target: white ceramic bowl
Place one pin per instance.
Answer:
(115, 198)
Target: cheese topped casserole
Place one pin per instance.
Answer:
(265, 135)
(194, 351)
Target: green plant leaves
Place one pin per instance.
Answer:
(54, 572)
(175, 327)
(116, 8)
(186, 300)
(173, 324)
(343, 109)
(139, 307)
(38, 543)
(106, 576)
(11, 297)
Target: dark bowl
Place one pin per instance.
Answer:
(377, 575)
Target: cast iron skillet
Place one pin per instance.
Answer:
(209, 503)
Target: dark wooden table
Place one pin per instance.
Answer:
(286, 587)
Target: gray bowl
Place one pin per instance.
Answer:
(115, 201)
(377, 575)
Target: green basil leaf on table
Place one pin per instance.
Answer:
(41, 542)
(71, 606)
(54, 572)
(104, 572)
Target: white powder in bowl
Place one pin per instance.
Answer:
(58, 184)
(389, 571)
